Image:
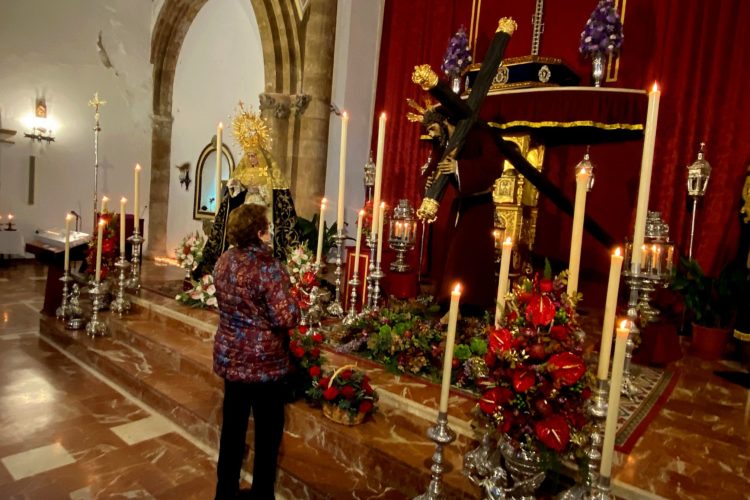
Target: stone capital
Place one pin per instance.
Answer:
(277, 104)
(300, 103)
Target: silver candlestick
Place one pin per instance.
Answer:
(121, 305)
(351, 317)
(335, 308)
(372, 241)
(635, 282)
(135, 272)
(598, 412)
(63, 311)
(377, 274)
(96, 327)
(75, 320)
(442, 435)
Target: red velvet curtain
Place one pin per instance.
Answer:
(696, 50)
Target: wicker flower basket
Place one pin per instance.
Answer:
(333, 412)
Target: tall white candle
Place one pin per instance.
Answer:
(66, 265)
(381, 217)
(136, 208)
(450, 340)
(610, 307)
(105, 200)
(647, 161)
(582, 180)
(342, 173)
(123, 201)
(321, 225)
(99, 236)
(502, 284)
(613, 408)
(358, 245)
(219, 129)
(378, 172)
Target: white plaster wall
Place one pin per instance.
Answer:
(355, 73)
(50, 49)
(221, 62)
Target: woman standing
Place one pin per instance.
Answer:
(251, 350)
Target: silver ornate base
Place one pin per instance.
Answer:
(75, 320)
(96, 327)
(121, 305)
(352, 316)
(63, 311)
(442, 435)
(134, 282)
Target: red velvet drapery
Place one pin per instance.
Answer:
(696, 50)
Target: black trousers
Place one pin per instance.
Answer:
(266, 402)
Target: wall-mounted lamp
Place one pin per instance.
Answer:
(184, 174)
(41, 125)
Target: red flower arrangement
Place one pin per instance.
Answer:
(346, 395)
(536, 379)
(110, 246)
(304, 346)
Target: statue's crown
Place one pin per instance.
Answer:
(250, 129)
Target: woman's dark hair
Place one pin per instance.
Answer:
(245, 222)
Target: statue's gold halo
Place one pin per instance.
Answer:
(250, 130)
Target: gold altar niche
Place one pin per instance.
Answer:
(516, 203)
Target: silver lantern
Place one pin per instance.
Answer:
(697, 181)
(402, 229)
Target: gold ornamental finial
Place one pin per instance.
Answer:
(250, 130)
(428, 210)
(424, 76)
(507, 25)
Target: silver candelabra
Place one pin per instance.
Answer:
(352, 316)
(335, 308)
(442, 435)
(63, 312)
(75, 319)
(136, 240)
(121, 305)
(374, 275)
(96, 327)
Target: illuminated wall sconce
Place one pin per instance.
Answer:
(185, 179)
(41, 124)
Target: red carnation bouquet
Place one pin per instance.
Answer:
(346, 395)
(304, 346)
(536, 382)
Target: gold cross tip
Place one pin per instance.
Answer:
(96, 102)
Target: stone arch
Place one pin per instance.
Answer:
(281, 29)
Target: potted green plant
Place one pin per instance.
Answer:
(712, 303)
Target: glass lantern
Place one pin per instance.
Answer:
(402, 230)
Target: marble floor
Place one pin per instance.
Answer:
(67, 434)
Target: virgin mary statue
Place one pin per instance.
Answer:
(258, 180)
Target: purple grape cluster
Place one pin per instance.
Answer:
(457, 56)
(603, 30)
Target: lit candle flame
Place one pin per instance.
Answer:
(508, 241)
(324, 201)
(362, 213)
(123, 200)
(457, 289)
(383, 115)
(655, 87)
(345, 114)
(138, 167)
(221, 125)
(624, 324)
(69, 217)
(618, 252)
(102, 222)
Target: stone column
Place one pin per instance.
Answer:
(158, 204)
(275, 108)
(299, 103)
(309, 162)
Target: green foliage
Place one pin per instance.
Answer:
(478, 346)
(713, 302)
(461, 352)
